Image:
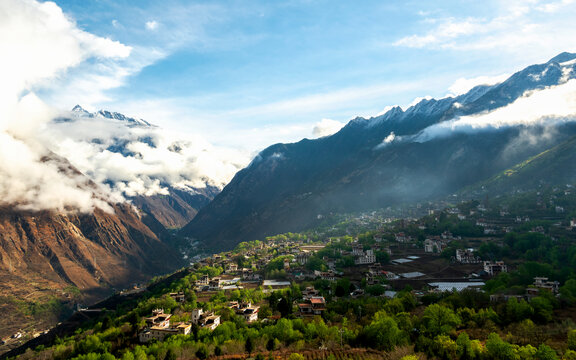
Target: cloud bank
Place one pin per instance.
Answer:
(549, 106)
(141, 160)
(41, 49)
(39, 43)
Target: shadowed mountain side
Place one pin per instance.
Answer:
(279, 194)
(287, 186)
(555, 166)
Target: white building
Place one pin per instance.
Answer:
(466, 256)
(495, 268)
(365, 258)
(205, 320)
(158, 327)
(246, 310)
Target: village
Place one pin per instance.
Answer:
(497, 252)
(406, 254)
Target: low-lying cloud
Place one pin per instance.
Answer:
(549, 106)
(142, 160)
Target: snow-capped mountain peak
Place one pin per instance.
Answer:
(79, 111)
(118, 116)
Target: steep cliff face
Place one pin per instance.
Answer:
(88, 251)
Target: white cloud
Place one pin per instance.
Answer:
(531, 27)
(448, 30)
(326, 127)
(89, 83)
(388, 139)
(153, 158)
(554, 6)
(152, 25)
(38, 44)
(463, 85)
(552, 105)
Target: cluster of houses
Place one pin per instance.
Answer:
(245, 309)
(312, 304)
(362, 257)
(158, 327)
(540, 284)
(376, 274)
(437, 244)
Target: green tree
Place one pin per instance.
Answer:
(543, 309)
(499, 349)
(568, 291)
(438, 319)
(545, 352)
(572, 339)
(271, 344)
(342, 287)
(285, 307)
(518, 310)
(315, 263)
(217, 350)
(170, 355)
(383, 333)
(445, 347)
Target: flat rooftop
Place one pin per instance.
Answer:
(413, 274)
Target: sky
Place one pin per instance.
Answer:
(223, 79)
(250, 73)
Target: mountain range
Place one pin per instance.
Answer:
(518, 133)
(430, 150)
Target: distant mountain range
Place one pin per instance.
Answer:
(430, 150)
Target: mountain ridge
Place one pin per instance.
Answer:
(288, 186)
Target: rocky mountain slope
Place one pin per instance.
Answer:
(431, 149)
(112, 246)
(83, 250)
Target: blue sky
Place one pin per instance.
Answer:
(251, 73)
